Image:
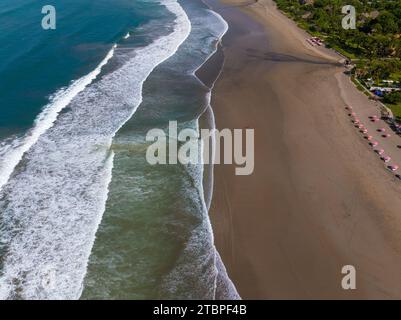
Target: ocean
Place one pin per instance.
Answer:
(82, 213)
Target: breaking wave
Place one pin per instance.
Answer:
(55, 180)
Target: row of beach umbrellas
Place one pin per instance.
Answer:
(373, 143)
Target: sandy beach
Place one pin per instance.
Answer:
(319, 198)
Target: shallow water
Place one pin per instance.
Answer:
(79, 170)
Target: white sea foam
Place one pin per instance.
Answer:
(220, 27)
(199, 272)
(127, 36)
(224, 288)
(11, 154)
(53, 203)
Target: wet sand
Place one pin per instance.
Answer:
(319, 197)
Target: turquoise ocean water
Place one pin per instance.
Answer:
(82, 214)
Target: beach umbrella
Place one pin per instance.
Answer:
(393, 167)
(386, 159)
(381, 130)
(368, 138)
(379, 151)
(386, 135)
(374, 143)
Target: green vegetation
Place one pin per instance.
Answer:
(393, 98)
(374, 46)
(393, 101)
(378, 32)
(360, 87)
(396, 109)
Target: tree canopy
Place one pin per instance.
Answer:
(378, 32)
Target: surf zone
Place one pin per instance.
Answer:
(187, 146)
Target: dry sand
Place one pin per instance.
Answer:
(319, 197)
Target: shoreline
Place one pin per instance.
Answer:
(208, 74)
(322, 200)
